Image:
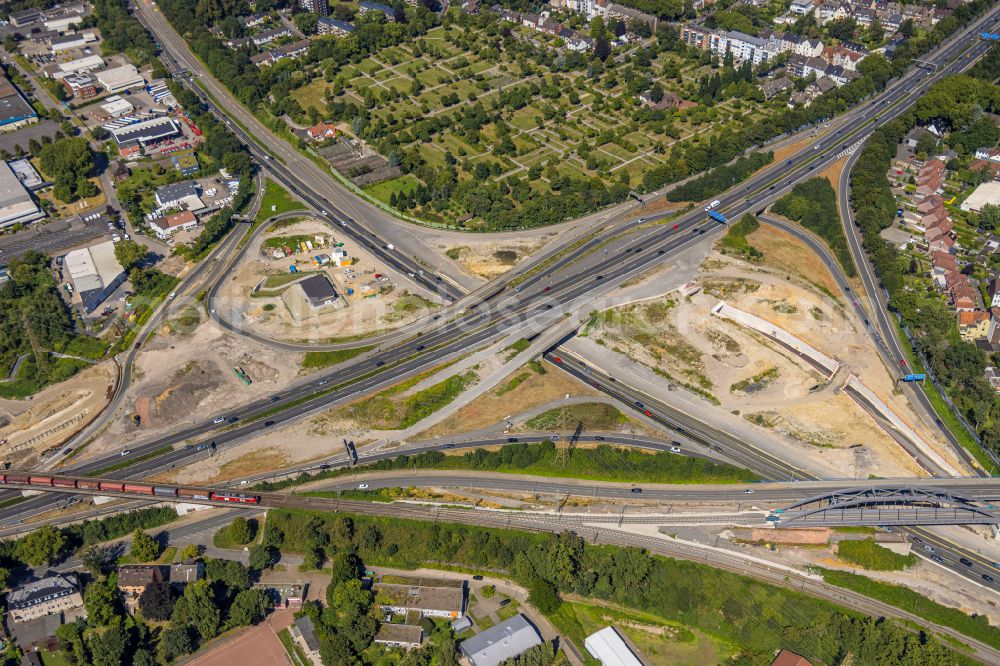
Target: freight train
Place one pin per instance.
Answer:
(46, 481)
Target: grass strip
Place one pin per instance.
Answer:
(128, 462)
(973, 626)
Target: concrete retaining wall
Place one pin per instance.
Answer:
(818, 359)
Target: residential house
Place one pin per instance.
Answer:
(789, 658)
(993, 377)
(57, 593)
(133, 579)
(991, 154)
(329, 26)
(119, 171)
(831, 11)
(367, 7)
(268, 36)
(182, 573)
(322, 132)
(775, 87)
(165, 227)
(973, 325)
(696, 36)
(801, 7)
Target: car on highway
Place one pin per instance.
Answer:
(598, 438)
(636, 491)
(379, 364)
(748, 491)
(929, 549)
(937, 558)
(172, 295)
(448, 446)
(125, 452)
(362, 486)
(988, 578)
(647, 412)
(275, 398)
(966, 561)
(600, 277)
(202, 447)
(322, 382)
(639, 404)
(234, 419)
(675, 449)
(511, 440)
(268, 424)
(421, 347)
(219, 419)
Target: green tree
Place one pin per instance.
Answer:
(130, 254)
(196, 608)
(230, 573)
(4, 578)
(248, 607)
(41, 547)
(989, 217)
(174, 642)
(306, 22)
(68, 162)
(97, 559)
(240, 530)
(157, 601)
(262, 557)
(108, 648)
(101, 601)
(192, 551)
(144, 547)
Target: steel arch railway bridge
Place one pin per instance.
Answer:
(888, 505)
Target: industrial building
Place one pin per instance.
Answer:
(610, 648)
(135, 137)
(501, 642)
(15, 112)
(73, 40)
(50, 595)
(179, 195)
(25, 17)
(116, 106)
(120, 78)
(80, 85)
(27, 174)
(16, 205)
(95, 272)
(79, 66)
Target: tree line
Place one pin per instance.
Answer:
(814, 204)
(755, 617)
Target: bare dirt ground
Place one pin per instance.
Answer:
(184, 377)
(490, 408)
(491, 258)
(53, 415)
(257, 293)
(749, 376)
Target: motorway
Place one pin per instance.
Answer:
(535, 303)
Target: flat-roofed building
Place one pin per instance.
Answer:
(120, 78)
(95, 272)
(501, 642)
(610, 648)
(446, 602)
(80, 65)
(27, 174)
(80, 85)
(116, 106)
(404, 636)
(72, 40)
(319, 290)
(47, 596)
(132, 138)
(15, 112)
(16, 204)
(63, 22)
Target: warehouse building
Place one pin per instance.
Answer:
(95, 272)
(135, 137)
(73, 40)
(116, 107)
(16, 205)
(610, 648)
(120, 78)
(15, 112)
(501, 642)
(165, 227)
(79, 66)
(25, 17)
